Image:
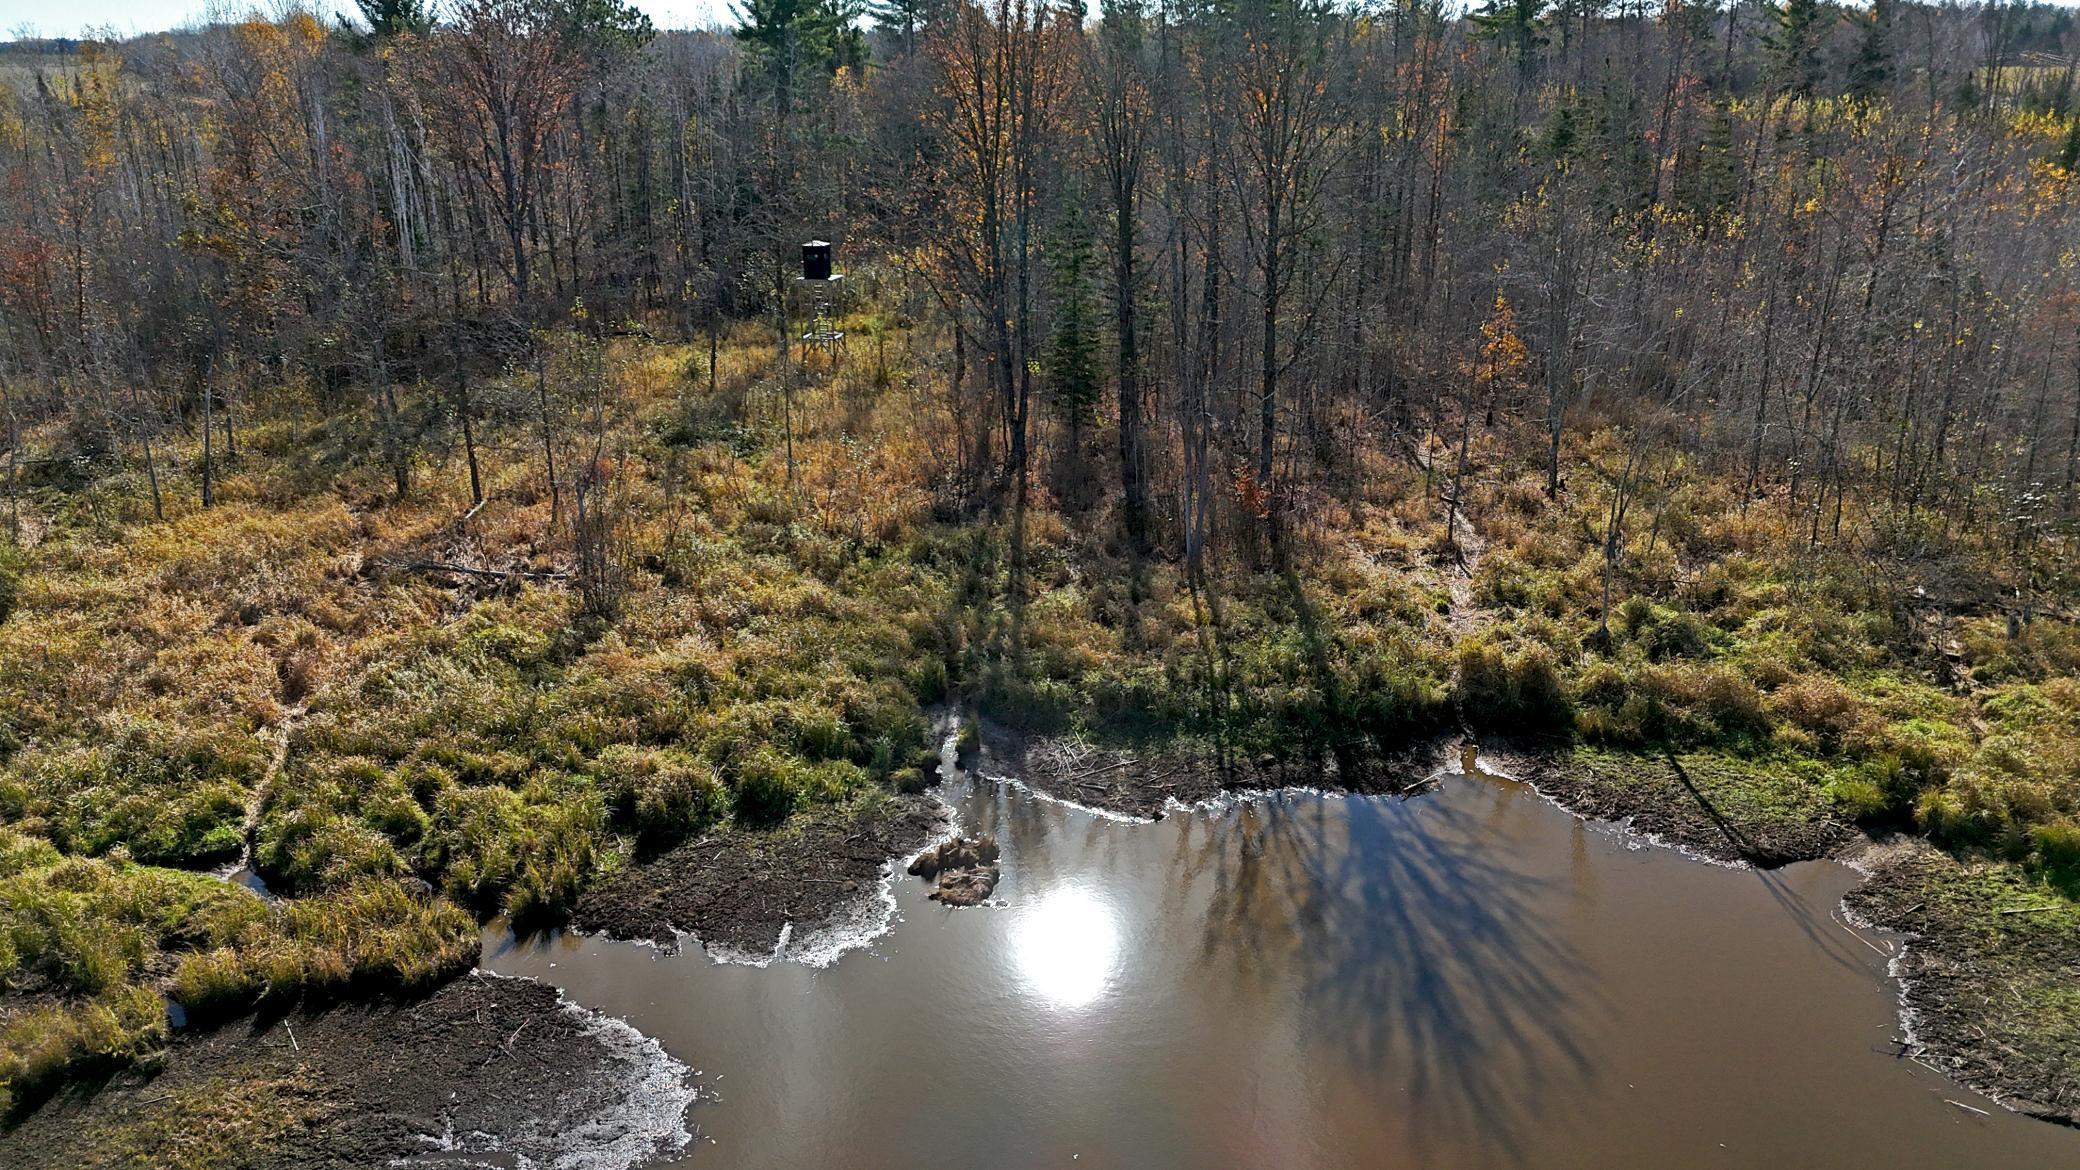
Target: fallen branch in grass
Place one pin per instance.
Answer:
(497, 574)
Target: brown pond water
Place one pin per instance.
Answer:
(1464, 978)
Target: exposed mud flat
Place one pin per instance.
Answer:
(745, 893)
(487, 1071)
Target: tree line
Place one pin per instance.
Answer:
(1203, 262)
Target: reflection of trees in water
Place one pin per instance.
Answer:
(1418, 950)
(1414, 944)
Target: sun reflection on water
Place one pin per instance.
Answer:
(1067, 946)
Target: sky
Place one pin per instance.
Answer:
(64, 18)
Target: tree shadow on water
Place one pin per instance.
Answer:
(1837, 943)
(1420, 955)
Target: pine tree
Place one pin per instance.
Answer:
(1626, 165)
(1515, 24)
(394, 18)
(1560, 140)
(1794, 44)
(2067, 156)
(789, 37)
(1872, 67)
(606, 24)
(1071, 358)
(905, 21)
(1709, 185)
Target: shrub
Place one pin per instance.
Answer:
(2013, 782)
(928, 679)
(43, 1042)
(1819, 706)
(1675, 635)
(1663, 633)
(1713, 587)
(1393, 693)
(2058, 851)
(660, 795)
(820, 736)
(96, 932)
(13, 565)
(376, 934)
(1671, 705)
(215, 983)
(920, 773)
(1634, 614)
(1863, 800)
(764, 788)
(164, 794)
(315, 847)
(1512, 692)
(19, 852)
(1503, 582)
(1732, 704)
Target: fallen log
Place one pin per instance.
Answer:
(466, 570)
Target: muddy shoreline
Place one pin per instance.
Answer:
(485, 1071)
(1671, 801)
(1989, 975)
(738, 890)
(1147, 782)
(1982, 985)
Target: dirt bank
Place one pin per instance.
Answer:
(738, 889)
(1991, 977)
(499, 1068)
(1142, 782)
(1715, 807)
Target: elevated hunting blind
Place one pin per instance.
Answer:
(823, 332)
(816, 260)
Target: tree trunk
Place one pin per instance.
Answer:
(1133, 488)
(541, 391)
(209, 494)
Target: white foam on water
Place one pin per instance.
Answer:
(855, 924)
(1895, 968)
(1235, 798)
(851, 927)
(731, 955)
(648, 1120)
(1103, 814)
